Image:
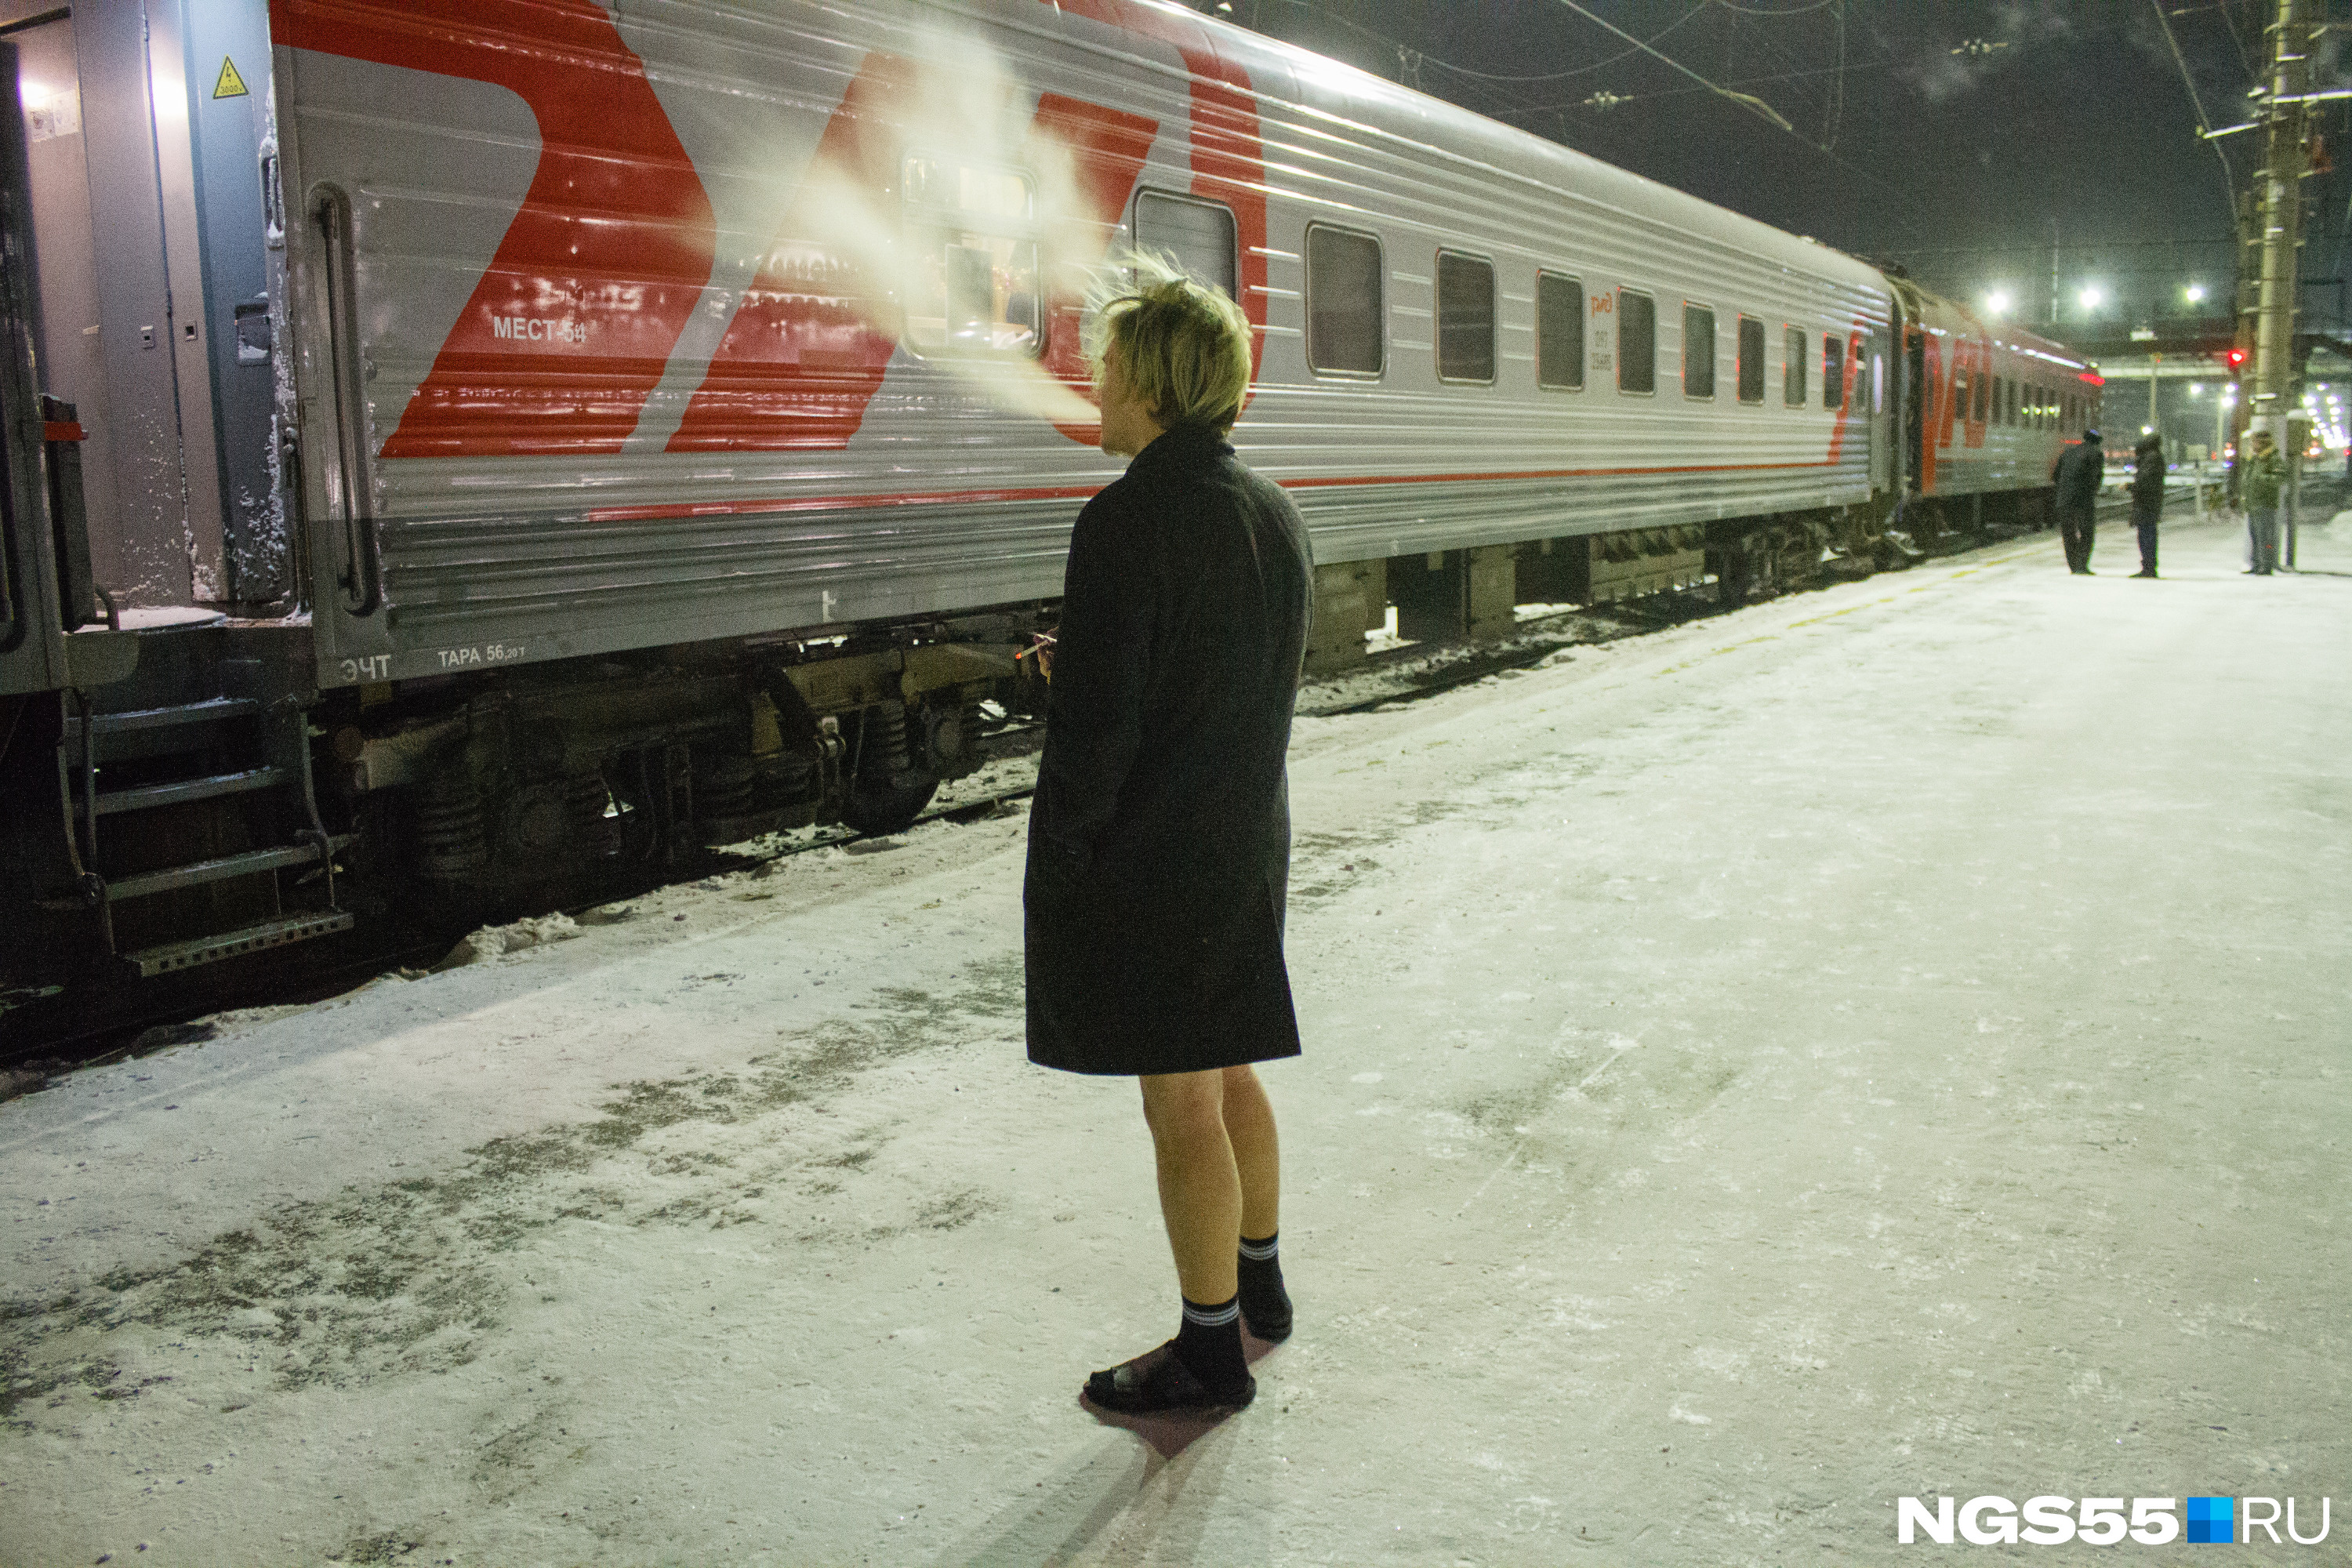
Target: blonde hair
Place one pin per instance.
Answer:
(1183, 346)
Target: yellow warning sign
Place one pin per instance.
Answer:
(230, 84)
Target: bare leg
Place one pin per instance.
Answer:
(1257, 1152)
(1200, 1186)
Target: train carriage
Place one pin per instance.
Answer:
(1994, 407)
(517, 436)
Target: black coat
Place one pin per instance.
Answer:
(2147, 481)
(2078, 473)
(1160, 837)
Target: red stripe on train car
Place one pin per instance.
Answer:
(1228, 146)
(800, 361)
(806, 353)
(616, 226)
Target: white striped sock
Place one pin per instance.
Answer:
(1213, 1317)
(1259, 1251)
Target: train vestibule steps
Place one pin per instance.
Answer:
(118, 775)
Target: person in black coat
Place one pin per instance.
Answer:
(1159, 836)
(2077, 474)
(2148, 498)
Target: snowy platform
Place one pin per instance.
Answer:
(1886, 1042)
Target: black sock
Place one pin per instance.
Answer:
(1210, 1343)
(1264, 1301)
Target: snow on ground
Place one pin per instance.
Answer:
(1884, 1042)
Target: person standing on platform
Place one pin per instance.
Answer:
(2264, 477)
(1160, 834)
(2077, 475)
(2148, 498)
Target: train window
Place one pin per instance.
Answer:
(1984, 397)
(1751, 360)
(1699, 351)
(1559, 333)
(1465, 317)
(1878, 384)
(1198, 234)
(974, 285)
(1792, 374)
(1833, 371)
(1637, 342)
(1344, 313)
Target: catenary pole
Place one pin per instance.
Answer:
(2285, 126)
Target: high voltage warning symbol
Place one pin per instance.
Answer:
(230, 84)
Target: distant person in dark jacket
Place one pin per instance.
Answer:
(2077, 475)
(2148, 498)
(1160, 837)
(2264, 477)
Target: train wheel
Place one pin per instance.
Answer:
(879, 807)
(888, 792)
(1734, 576)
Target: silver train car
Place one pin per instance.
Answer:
(458, 446)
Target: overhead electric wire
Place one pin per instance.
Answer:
(1511, 105)
(1580, 70)
(1749, 101)
(1837, 94)
(1686, 91)
(2229, 177)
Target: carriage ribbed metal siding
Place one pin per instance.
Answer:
(506, 548)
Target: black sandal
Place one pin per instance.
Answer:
(1270, 1322)
(1158, 1381)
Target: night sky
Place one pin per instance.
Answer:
(1954, 166)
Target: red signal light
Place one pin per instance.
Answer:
(2237, 358)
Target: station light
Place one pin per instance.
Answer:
(2196, 293)
(1997, 303)
(2091, 297)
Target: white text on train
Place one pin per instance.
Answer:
(539, 329)
(480, 653)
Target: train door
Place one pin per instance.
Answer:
(1918, 397)
(1877, 351)
(143, 153)
(32, 650)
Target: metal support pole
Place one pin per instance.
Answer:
(2285, 121)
